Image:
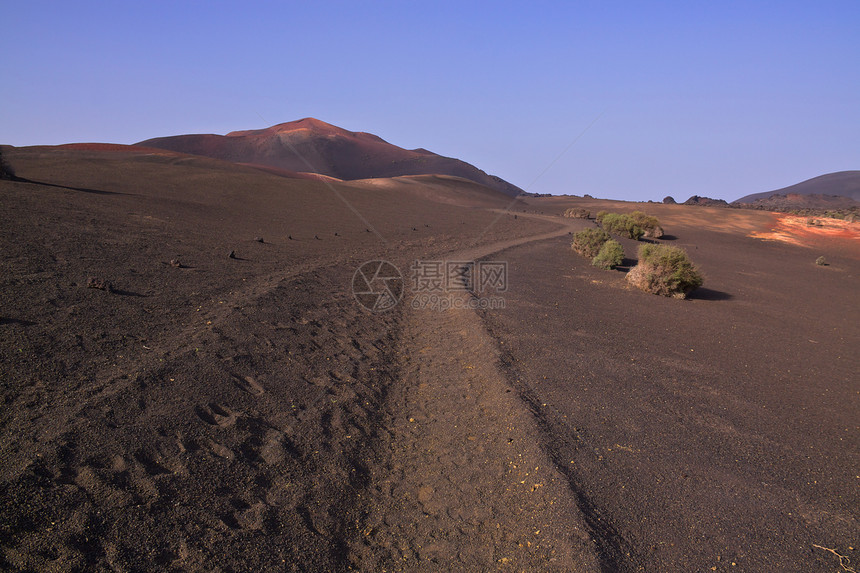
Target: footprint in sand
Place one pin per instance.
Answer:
(252, 517)
(149, 463)
(216, 415)
(220, 450)
(276, 448)
(249, 385)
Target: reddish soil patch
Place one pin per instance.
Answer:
(798, 230)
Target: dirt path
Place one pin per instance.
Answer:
(466, 485)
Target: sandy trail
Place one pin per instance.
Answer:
(466, 486)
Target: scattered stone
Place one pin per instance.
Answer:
(259, 239)
(231, 255)
(317, 237)
(290, 237)
(175, 263)
(100, 284)
(706, 202)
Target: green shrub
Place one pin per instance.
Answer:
(577, 213)
(600, 215)
(611, 255)
(622, 225)
(647, 223)
(588, 242)
(666, 271)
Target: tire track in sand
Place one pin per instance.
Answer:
(466, 486)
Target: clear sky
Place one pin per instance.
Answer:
(624, 100)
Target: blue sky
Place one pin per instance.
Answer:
(623, 100)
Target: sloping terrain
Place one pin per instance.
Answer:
(203, 411)
(820, 192)
(220, 401)
(311, 145)
(718, 433)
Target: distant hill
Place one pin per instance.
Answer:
(313, 146)
(796, 201)
(831, 191)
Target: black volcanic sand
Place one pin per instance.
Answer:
(229, 414)
(222, 414)
(705, 434)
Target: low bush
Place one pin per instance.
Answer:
(666, 271)
(611, 255)
(622, 225)
(600, 215)
(577, 213)
(588, 242)
(647, 223)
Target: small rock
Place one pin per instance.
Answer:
(175, 263)
(231, 255)
(97, 283)
(259, 239)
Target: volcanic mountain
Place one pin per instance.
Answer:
(833, 190)
(313, 146)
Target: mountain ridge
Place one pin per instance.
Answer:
(839, 183)
(310, 145)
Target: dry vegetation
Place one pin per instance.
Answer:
(596, 244)
(666, 271)
(577, 213)
(650, 225)
(632, 226)
(589, 241)
(610, 256)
